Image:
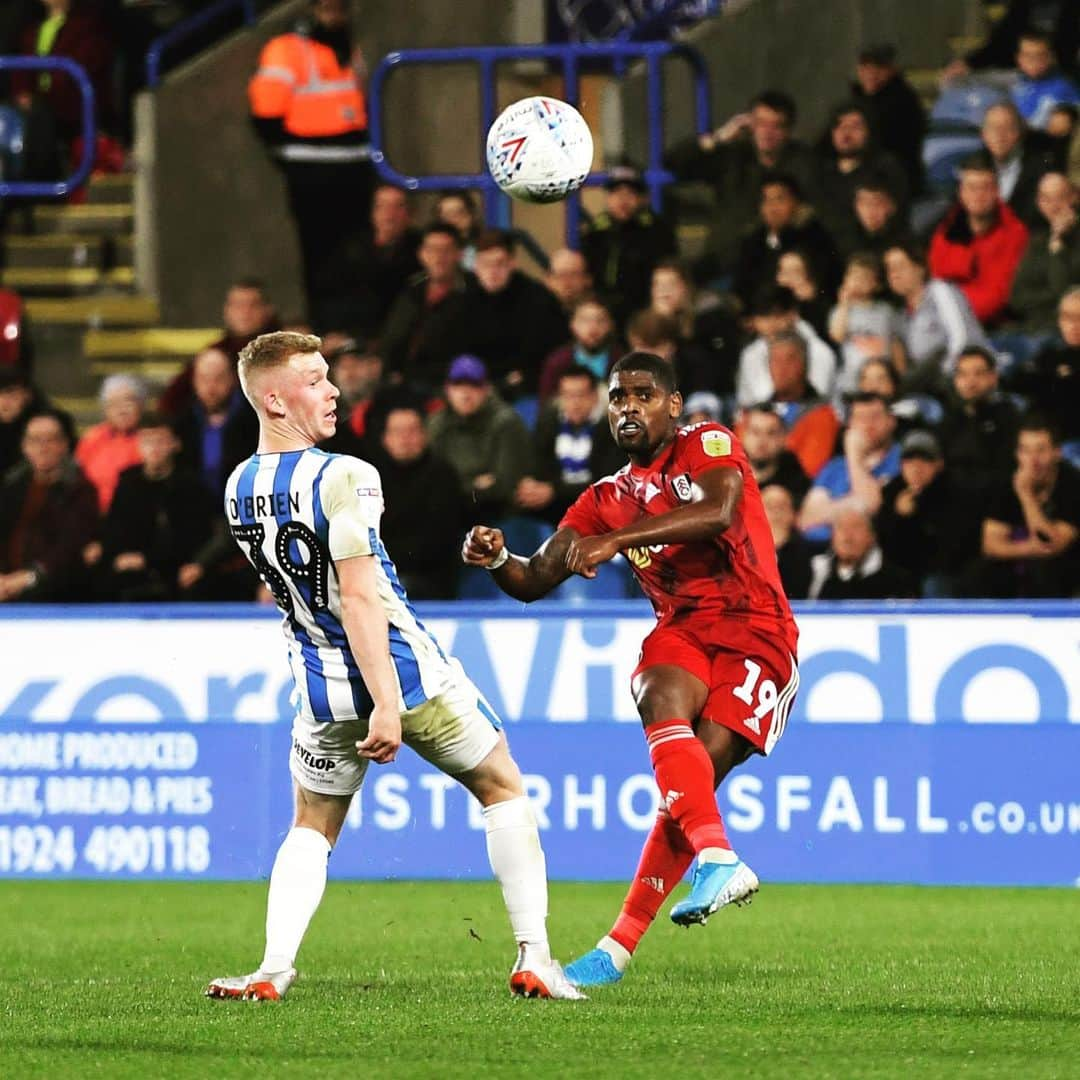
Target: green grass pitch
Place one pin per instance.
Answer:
(403, 980)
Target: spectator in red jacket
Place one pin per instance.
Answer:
(980, 243)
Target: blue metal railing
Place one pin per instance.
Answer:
(617, 54)
(56, 188)
(186, 28)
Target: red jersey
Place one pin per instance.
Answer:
(730, 576)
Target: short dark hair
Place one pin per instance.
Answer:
(639, 360)
(868, 397)
(979, 162)
(253, 283)
(791, 337)
(652, 327)
(590, 299)
(913, 249)
(779, 102)
(878, 182)
(775, 177)
(495, 238)
(887, 364)
(764, 408)
(441, 228)
(1039, 421)
(977, 350)
(1033, 33)
(676, 266)
(868, 260)
(67, 426)
(578, 371)
(11, 377)
(773, 299)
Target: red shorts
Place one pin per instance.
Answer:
(752, 679)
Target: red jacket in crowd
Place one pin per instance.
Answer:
(983, 266)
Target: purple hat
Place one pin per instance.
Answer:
(468, 369)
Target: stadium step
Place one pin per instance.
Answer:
(85, 409)
(85, 218)
(157, 371)
(161, 351)
(113, 188)
(54, 251)
(115, 310)
(53, 281)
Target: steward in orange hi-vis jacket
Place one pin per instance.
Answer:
(308, 106)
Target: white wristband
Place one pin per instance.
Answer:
(498, 560)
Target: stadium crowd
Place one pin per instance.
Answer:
(899, 356)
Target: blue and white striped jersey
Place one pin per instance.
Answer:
(293, 514)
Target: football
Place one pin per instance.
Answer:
(539, 150)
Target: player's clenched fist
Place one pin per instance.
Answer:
(482, 545)
(383, 737)
(586, 553)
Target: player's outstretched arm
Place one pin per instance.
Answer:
(522, 578)
(716, 496)
(363, 618)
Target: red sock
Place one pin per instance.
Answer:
(685, 776)
(665, 857)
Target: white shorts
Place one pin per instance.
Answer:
(455, 731)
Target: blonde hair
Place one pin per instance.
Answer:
(269, 351)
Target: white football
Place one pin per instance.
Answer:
(539, 150)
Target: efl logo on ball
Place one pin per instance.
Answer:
(539, 150)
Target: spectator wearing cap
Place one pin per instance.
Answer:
(855, 567)
(376, 266)
(48, 515)
(702, 320)
(482, 437)
(108, 448)
(762, 433)
(1031, 524)
(978, 437)
(775, 310)
(854, 479)
(19, 398)
(792, 551)
(878, 223)
(734, 159)
(785, 223)
(219, 429)
(895, 109)
(702, 407)
(508, 320)
(979, 244)
(425, 507)
(846, 153)
(937, 322)
(562, 447)
(426, 316)
(917, 524)
(812, 424)
(624, 242)
(1051, 263)
(593, 346)
(356, 369)
(1051, 379)
(568, 278)
(159, 522)
(1020, 158)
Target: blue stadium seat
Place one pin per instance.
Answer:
(12, 129)
(1070, 451)
(528, 408)
(614, 581)
(942, 153)
(964, 104)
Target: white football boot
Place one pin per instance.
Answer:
(539, 976)
(258, 986)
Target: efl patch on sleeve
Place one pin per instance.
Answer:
(716, 443)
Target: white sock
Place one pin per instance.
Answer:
(297, 883)
(717, 855)
(620, 956)
(517, 860)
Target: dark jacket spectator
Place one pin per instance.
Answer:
(421, 325)
(1051, 380)
(762, 433)
(425, 511)
(48, 515)
(846, 155)
(1020, 157)
(220, 428)
(979, 245)
(508, 320)
(482, 437)
(161, 519)
(793, 553)
(1058, 17)
(593, 346)
(733, 160)
(786, 223)
(878, 224)
(854, 567)
(19, 399)
(1051, 263)
(623, 243)
(1031, 525)
(896, 112)
(81, 36)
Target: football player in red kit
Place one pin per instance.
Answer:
(717, 675)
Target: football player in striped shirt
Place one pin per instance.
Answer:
(368, 675)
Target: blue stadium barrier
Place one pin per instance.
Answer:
(571, 58)
(931, 743)
(187, 28)
(58, 188)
